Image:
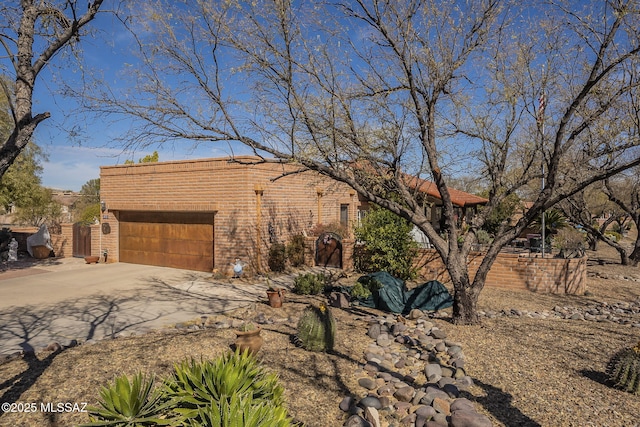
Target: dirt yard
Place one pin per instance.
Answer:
(527, 372)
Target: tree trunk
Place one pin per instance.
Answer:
(634, 258)
(465, 297)
(624, 258)
(465, 306)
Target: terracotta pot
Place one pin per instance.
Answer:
(91, 259)
(250, 340)
(40, 252)
(276, 297)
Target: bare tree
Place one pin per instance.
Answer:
(32, 33)
(380, 94)
(624, 191)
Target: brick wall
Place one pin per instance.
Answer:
(514, 272)
(243, 229)
(63, 243)
(509, 271)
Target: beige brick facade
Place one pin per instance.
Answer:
(516, 272)
(253, 205)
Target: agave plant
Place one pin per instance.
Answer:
(130, 403)
(196, 386)
(241, 411)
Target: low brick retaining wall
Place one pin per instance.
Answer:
(509, 271)
(517, 272)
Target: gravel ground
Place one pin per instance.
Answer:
(527, 372)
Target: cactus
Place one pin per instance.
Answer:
(624, 369)
(317, 328)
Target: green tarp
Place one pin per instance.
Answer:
(391, 294)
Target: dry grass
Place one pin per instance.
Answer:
(528, 372)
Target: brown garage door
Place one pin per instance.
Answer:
(167, 239)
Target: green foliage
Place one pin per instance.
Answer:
(501, 213)
(277, 257)
(149, 158)
(129, 403)
(39, 208)
(295, 250)
(230, 391)
(554, 221)
(359, 291)
(90, 191)
(388, 244)
(240, 411)
(616, 237)
(364, 288)
(87, 208)
(483, 237)
(624, 369)
(317, 328)
(89, 214)
(22, 180)
(309, 284)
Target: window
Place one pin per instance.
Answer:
(344, 215)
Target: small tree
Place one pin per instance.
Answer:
(387, 244)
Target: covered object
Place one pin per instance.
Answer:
(389, 293)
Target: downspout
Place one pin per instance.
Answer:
(319, 193)
(259, 191)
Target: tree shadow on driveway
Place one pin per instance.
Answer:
(29, 329)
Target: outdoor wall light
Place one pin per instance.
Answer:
(103, 206)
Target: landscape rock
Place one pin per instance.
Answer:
(367, 383)
(372, 415)
(347, 403)
(464, 418)
(370, 401)
(357, 421)
(404, 394)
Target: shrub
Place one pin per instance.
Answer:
(359, 291)
(295, 250)
(240, 411)
(364, 287)
(129, 403)
(387, 244)
(317, 328)
(483, 237)
(232, 390)
(277, 259)
(624, 369)
(309, 284)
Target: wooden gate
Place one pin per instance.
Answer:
(81, 240)
(329, 250)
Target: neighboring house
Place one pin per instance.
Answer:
(203, 214)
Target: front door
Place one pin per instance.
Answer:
(329, 250)
(81, 240)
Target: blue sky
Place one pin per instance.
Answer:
(72, 162)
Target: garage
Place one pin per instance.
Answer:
(167, 239)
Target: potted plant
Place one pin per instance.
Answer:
(248, 338)
(275, 295)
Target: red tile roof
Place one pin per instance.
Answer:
(458, 198)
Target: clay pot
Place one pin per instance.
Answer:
(276, 297)
(250, 340)
(91, 259)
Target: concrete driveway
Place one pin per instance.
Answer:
(66, 299)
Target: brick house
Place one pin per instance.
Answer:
(203, 214)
